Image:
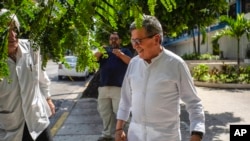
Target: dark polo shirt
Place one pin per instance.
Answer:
(113, 69)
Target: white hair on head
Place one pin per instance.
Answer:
(13, 18)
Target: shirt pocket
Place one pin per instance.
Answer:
(31, 67)
(6, 87)
(9, 120)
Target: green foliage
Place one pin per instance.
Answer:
(227, 74)
(191, 14)
(195, 56)
(200, 72)
(246, 75)
(191, 56)
(58, 26)
(236, 28)
(4, 69)
(214, 75)
(83, 25)
(208, 56)
(151, 6)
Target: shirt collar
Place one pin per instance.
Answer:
(157, 57)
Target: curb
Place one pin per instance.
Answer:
(54, 129)
(59, 123)
(222, 85)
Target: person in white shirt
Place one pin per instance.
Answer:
(25, 103)
(154, 84)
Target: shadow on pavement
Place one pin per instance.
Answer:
(216, 124)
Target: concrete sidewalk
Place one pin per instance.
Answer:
(83, 123)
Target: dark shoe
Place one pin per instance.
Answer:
(105, 139)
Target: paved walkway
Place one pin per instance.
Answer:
(222, 108)
(82, 124)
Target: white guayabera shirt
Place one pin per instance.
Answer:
(23, 99)
(152, 93)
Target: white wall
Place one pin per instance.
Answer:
(227, 44)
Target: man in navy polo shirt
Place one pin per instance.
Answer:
(112, 71)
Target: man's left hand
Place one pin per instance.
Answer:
(52, 106)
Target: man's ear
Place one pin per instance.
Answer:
(157, 38)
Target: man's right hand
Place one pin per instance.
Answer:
(98, 55)
(120, 136)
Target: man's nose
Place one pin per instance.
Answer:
(113, 40)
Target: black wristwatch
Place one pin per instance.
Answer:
(197, 133)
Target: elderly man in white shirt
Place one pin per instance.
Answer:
(155, 82)
(25, 103)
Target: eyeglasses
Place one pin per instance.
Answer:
(138, 41)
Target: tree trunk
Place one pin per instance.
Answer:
(238, 56)
(92, 89)
(194, 43)
(198, 42)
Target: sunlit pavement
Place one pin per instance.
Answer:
(79, 120)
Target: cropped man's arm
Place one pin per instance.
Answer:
(193, 103)
(125, 58)
(44, 87)
(120, 135)
(44, 83)
(119, 124)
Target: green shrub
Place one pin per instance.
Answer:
(228, 74)
(206, 56)
(200, 72)
(194, 56)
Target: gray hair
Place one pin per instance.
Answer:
(13, 18)
(151, 24)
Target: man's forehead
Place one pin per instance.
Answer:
(114, 35)
(138, 32)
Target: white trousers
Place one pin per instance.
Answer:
(108, 103)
